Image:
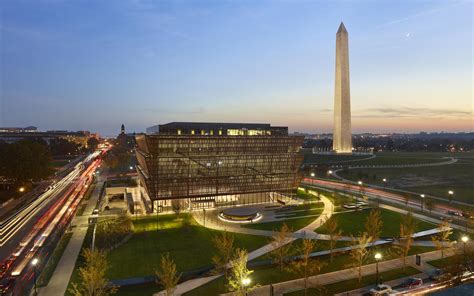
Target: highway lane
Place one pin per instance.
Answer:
(39, 240)
(15, 228)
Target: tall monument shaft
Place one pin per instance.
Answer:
(342, 135)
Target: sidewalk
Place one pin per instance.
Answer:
(309, 229)
(59, 281)
(346, 274)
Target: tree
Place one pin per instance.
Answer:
(239, 280)
(177, 206)
(359, 252)
(167, 274)
(281, 245)
(224, 244)
(429, 205)
(374, 224)
(441, 239)
(92, 143)
(334, 234)
(92, 275)
(407, 228)
(304, 266)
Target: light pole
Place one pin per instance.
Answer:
(450, 195)
(422, 201)
(384, 182)
(312, 175)
(464, 239)
(34, 262)
(377, 257)
(245, 282)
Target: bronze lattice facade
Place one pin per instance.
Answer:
(196, 167)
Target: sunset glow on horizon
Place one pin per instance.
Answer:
(143, 63)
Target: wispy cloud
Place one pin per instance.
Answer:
(424, 13)
(410, 112)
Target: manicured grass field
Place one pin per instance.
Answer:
(354, 223)
(436, 180)
(190, 247)
(294, 224)
(267, 275)
(368, 280)
(443, 262)
(145, 290)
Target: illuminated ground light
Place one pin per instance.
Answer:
(240, 215)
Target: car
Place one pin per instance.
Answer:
(350, 206)
(412, 283)
(446, 219)
(455, 213)
(361, 204)
(439, 275)
(6, 286)
(6, 265)
(381, 290)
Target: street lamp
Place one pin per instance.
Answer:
(377, 257)
(131, 168)
(464, 240)
(330, 172)
(450, 194)
(422, 201)
(34, 262)
(359, 182)
(312, 175)
(384, 180)
(245, 282)
(21, 189)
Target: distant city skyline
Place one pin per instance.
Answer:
(95, 65)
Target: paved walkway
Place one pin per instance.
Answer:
(59, 281)
(308, 229)
(346, 274)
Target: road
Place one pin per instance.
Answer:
(439, 210)
(34, 229)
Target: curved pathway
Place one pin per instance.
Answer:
(308, 229)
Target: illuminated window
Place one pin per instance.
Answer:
(235, 132)
(212, 132)
(203, 132)
(220, 132)
(192, 132)
(179, 132)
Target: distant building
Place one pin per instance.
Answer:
(14, 134)
(217, 164)
(124, 139)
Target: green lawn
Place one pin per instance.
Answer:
(145, 290)
(443, 262)
(294, 224)
(268, 275)
(190, 247)
(367, 280)
(436, 180)
(354, 223)
(48, 270)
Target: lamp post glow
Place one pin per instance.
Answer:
(450, 195)
(384, 180)
(377, 257)
(359, 182)
(330, 172)
(21, 189)
(246, 281)
(422, 201)
(312, 175)
(34, 262)
(464, 240)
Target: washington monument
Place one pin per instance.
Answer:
(342, 135)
